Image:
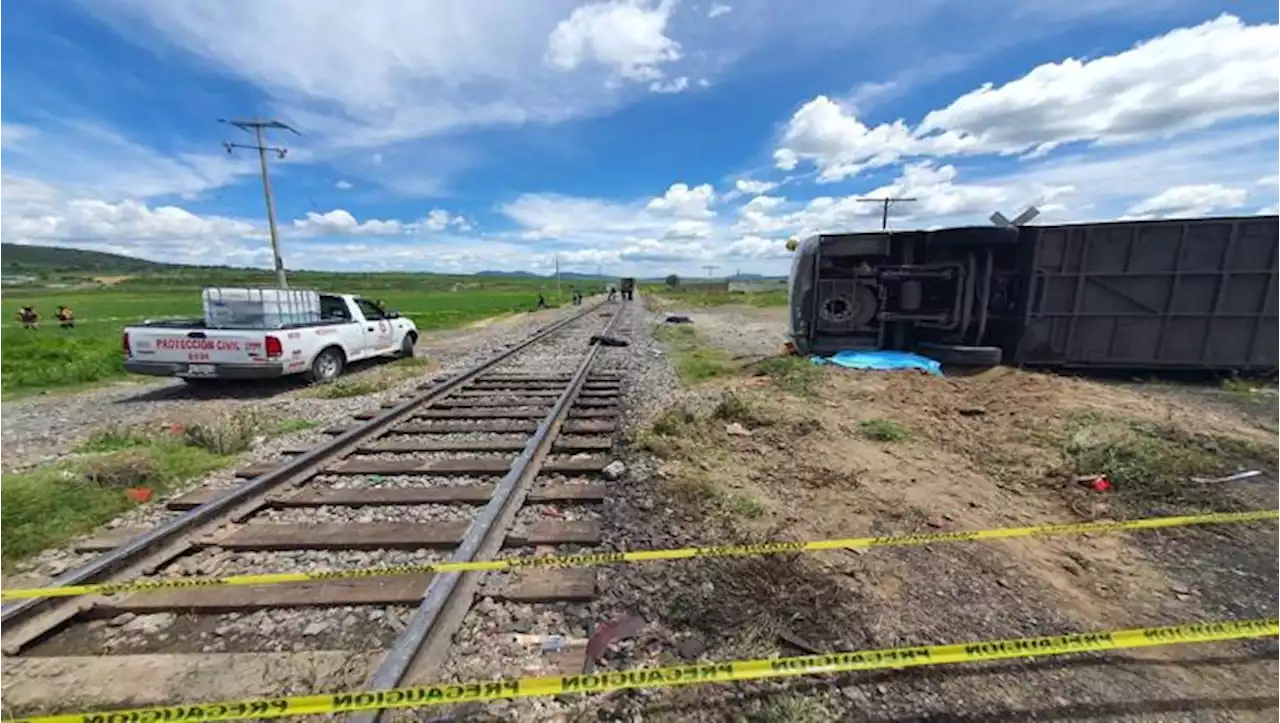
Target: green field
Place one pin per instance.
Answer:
(50, 357)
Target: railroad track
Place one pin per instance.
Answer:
(502, 459)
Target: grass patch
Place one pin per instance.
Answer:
(883, 430)
(349, 387)
(48, 506)
(671, 433)
(794, 374)
(752, 599)
(289, 426)
(412, 362)
(744, 506)
(791, 708)
(1146, 460)
(231, 434)
(112, 438)
(693, 363)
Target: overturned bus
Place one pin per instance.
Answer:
(1180, 294)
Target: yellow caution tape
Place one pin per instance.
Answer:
(612, 558)
(713, 672)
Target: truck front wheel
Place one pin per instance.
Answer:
(406, 346)
(327, 365)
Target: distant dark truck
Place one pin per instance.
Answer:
(628, 288)
(1179, 295)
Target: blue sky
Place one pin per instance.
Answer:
(636, 137)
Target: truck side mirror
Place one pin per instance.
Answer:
(393, 314)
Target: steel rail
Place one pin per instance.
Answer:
(444, 591)
(294, 470)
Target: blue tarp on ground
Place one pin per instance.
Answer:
(881, 361)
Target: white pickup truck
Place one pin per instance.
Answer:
(335, 330)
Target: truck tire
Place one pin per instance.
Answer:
(974, 237)
(407, 344)
(327, 365)
(963, 356)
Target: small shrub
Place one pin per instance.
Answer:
(691, 488)
(883, 430)
(675, 422)
(232, 434)
(114, 437)
(669, 432)
(733, 408)
(794, 374)
(129, 468)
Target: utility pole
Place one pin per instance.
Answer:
(557, 276)
(256, 128)
(886, 201)
(709, 269)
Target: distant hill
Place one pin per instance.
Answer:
(531, 275)
(506, 273)
(21, 259)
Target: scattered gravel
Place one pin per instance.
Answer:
(378, 513)
(359, 481)
(498, 638)
(216, 561)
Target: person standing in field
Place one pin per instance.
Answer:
(29, 318)
(66, 317)
(542, 303)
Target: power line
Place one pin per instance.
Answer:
(257, 128)
(709, 268)
(886, 201)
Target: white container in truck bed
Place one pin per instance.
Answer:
(247, 308)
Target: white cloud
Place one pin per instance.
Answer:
(625, 36)
(753, 188)
(1186, 80)
(438, 219)
(91, 219)
(718, 9)
(830, 136)
(1189, 201)
(13, 135)
(674, 85)
(682, 201)
(343, 185)
(340, 222)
